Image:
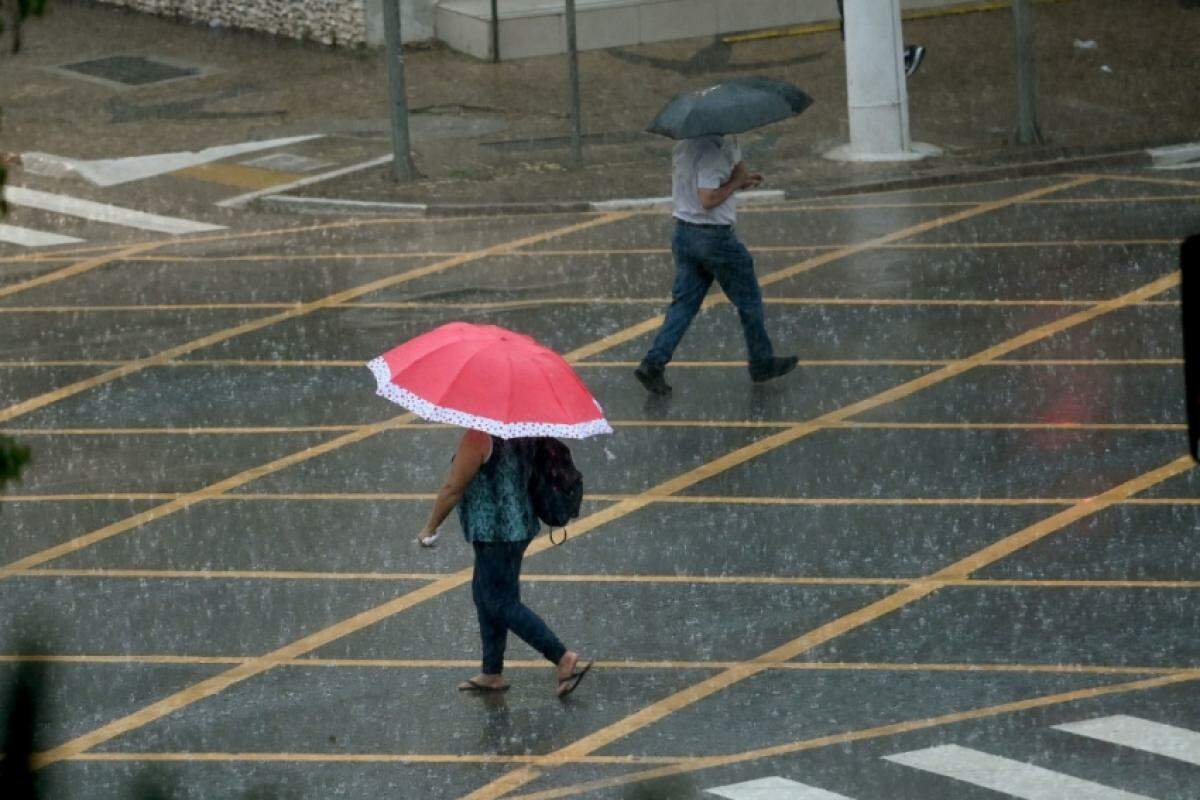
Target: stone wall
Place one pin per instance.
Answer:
(334, 22)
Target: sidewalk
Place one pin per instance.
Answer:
(496, 133)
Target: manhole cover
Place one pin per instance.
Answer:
(131, 70)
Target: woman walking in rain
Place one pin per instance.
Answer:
(506, 389)
(488, 483)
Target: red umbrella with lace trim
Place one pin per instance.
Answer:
(490, 379)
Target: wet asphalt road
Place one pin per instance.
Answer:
(964, 520)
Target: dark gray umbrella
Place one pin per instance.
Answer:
(732, 106)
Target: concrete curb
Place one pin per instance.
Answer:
(322, 205)
(1051, 161)
(1140, 157)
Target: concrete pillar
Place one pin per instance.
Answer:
(875, 86)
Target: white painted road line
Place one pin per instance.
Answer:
(1007, 776)
(102, 212)
(243, 199)
(31, 238)
(773, 788)
(1180, 744)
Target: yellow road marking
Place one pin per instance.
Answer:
(651, 497)
(599, 364)
(26, 406)
(906, 596)
(143, 308)
(237, 175)
(635, 423)
(876, 732)
(284, 257)
(630, 664)
(78, 268)
(689, 580)
(1044, 244)
(312, 642)
(558, 301)
(652, 324)
(1147, 179)
(368, 758)
(191, 498)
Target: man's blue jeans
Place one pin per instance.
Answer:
(702, 254)
(496, 590)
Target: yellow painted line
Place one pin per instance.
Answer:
(220, 682)
(657, 251)
(555, 301)
(907, 16)
(629, 664)
(49, 398)
(1010, 544)
(233, 574)
(11, 658)
(879, 731)
(86, 498)
(191, 498)
(690, 580)
(214, 431)
(366, 758)
(649, 424)
(649, 497)
(82, 309)
(663, 708)
(237, 175)
(78, 268)
(601, 364)
(1174, 198)
(1147, 179)
(1043, 244)
(781, 580)
(652, 324)
(285, 257)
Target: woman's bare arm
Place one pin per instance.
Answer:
(473, 449)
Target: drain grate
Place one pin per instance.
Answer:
(131, 70)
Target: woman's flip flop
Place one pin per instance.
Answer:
(567, 685)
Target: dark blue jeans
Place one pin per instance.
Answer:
(702, 254)
(496, 590)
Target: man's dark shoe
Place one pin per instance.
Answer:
(914, 54)
(777, 366)
(652, 379)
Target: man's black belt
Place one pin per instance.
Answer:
(700, 224)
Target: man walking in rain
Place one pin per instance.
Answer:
(708, 172)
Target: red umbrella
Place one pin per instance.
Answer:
(490, 379)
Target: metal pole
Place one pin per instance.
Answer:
(402, 166)
(495, 33)
(573, 73)
(1027, 126)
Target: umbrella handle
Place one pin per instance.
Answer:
(564, 530)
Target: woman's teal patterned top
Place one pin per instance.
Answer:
(496, 505)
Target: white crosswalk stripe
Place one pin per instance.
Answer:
(27, 237)
(1142, 734)
(773, 788)
(1007, 776)
(103, 212)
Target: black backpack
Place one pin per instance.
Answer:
(556, 486)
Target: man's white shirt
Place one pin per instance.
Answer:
(703, 163)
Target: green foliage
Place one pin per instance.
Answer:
(12, 457)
